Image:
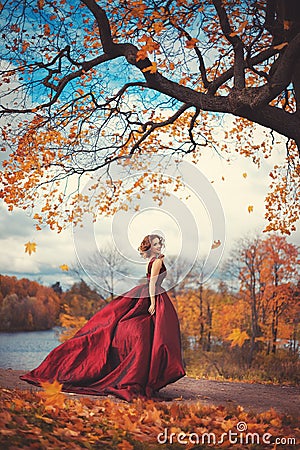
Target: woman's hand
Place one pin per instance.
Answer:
(151, 308)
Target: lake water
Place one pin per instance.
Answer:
(26, 350)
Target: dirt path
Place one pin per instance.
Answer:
(253, 397)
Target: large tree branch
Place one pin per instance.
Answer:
(282, 75)
(103, 25)
(257, 59)
(277, 119)
(236, 42)
(240, 102)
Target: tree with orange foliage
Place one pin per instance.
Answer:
(89, 83)
(280, 271)
(195, 311)
(266, 269)
(27, 305)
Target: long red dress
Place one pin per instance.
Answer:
(121, 350)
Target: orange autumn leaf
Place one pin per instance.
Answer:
(64, 267)
(158, 27)
(141, 54)
(124, 445)
(30, 247)
(25, 46)
(151, 69)
(46, 29)
(237, 337)
(250, 208)
(240, 29)
(14, 27)
(45, 419)
(245, 175)
(51, 388)
(191, 43)
(280, 46)
(52, 395)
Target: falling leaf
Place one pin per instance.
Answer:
(64, 267)
(245, 175)
(216, 244)
(250, 208)
(237, 337)
(30, 247)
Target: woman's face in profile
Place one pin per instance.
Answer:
(156, 246)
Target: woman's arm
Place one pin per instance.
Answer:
(156, 266)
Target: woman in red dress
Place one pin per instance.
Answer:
(130, 348)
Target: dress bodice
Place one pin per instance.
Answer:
(162, 273)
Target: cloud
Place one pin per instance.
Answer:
(14, 224)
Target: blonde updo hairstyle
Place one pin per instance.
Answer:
(145, 247)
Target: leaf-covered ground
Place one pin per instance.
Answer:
(49, 420)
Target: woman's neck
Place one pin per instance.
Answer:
(154, 255)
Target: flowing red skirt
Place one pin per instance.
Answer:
(121, 350)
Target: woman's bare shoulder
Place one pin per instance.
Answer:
(157, 262)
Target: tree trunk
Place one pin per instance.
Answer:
(209, 323)
(201, 328)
